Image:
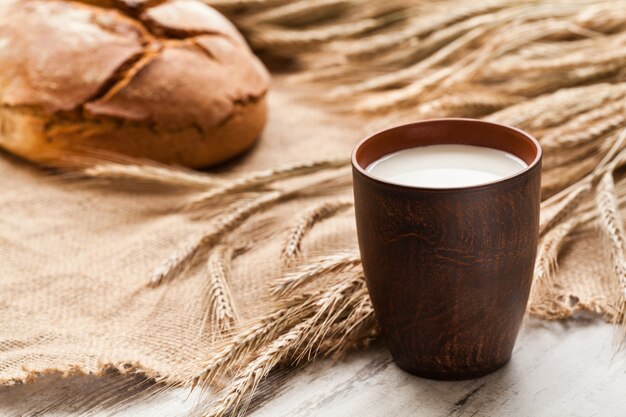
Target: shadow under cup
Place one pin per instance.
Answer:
(449, 270)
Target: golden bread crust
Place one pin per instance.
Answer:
(174, 82)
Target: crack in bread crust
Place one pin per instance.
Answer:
(125, 73)
(119, 75)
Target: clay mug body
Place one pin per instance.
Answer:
(449, 270)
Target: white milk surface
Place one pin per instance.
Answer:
(446, 166)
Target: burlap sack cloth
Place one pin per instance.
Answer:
(76, 256)
(76, 259)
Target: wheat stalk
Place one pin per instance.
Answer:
(329, 265)
(410, 94)
(256, 180)
(496, 20)
(480, 34)
(325, 210)
(549, 48)
(182, 257)
(357, 330)
(471, 103)
(578, 59)
(420, 25)
(292, 40)
(332, 314)
(300, 12)
(407, 73)
(231, 221)
(533, 84)
(570, 155)
(247, 5)
(509, 39)
(166, 176)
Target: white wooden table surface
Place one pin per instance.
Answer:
(558, 369)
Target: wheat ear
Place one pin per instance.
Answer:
(251, 338)
(614, 158)
(241, 390)
(578, 59)
(550, 246)
(174, 265)
(301, 338)
(321, 212)
(564, 207)
(289, 311)
(220, 309)
(592, 131)
(561, 106)
(611, 221)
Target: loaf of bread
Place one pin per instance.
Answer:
(172, 81)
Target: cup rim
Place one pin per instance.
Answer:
(536, 161)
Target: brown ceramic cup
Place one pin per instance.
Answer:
(449, 270)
